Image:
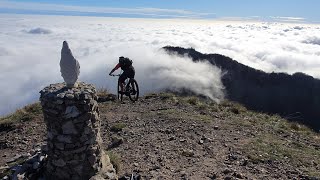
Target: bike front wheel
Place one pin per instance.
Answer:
(134, 90)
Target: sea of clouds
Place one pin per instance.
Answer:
(30, 52)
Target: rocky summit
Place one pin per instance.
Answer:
(167, 136)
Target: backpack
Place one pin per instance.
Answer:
(126, 63)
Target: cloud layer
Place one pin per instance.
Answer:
(30, 52)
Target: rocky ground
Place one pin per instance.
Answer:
(21, 139)
(164, 136)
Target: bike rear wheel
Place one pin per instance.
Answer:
(134, 90)
(120, 95)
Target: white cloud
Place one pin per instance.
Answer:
(288, 19)
(312, 40)
(30, 55)
(30, 61)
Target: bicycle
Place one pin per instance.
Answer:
(131, 88)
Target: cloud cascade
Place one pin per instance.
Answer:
(30, 61)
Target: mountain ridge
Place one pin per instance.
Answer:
(295, 97)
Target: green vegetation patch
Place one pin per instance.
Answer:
(102, 92)
(115, 160)
(279, 140)
(25, 114)
(277, 124)
(268, 147)
(233, 107)
(117, 127)
(183, 115)
(199, 103)
(193, 101)
(151, 95)
(164, 96)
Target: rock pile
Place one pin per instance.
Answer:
(31, 168)
(73, 137)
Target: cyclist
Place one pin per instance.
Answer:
(128, 72)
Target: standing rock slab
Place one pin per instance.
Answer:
(69, 67)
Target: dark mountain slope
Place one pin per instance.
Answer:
(295, 97)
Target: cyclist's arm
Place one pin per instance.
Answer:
(115, 68)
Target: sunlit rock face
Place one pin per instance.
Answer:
(69, 66)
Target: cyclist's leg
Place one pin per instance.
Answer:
(131, 74)
(122, 78)
(133, 88)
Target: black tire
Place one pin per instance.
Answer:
(133, 97)
(120, 96)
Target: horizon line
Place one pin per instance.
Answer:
(286, 20)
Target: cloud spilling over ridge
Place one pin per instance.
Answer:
(164, 71)
(30, 61)
(157, 71)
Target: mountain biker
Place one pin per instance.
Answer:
(128, 71)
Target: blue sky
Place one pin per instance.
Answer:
(284, 10)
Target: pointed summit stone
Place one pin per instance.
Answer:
(69, 66)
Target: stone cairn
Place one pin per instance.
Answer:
(73, 137)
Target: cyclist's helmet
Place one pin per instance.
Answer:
(121, 59)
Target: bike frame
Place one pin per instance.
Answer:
(125, 82)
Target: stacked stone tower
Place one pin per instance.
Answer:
(73, 138)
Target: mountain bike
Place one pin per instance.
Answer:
(130, 88)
